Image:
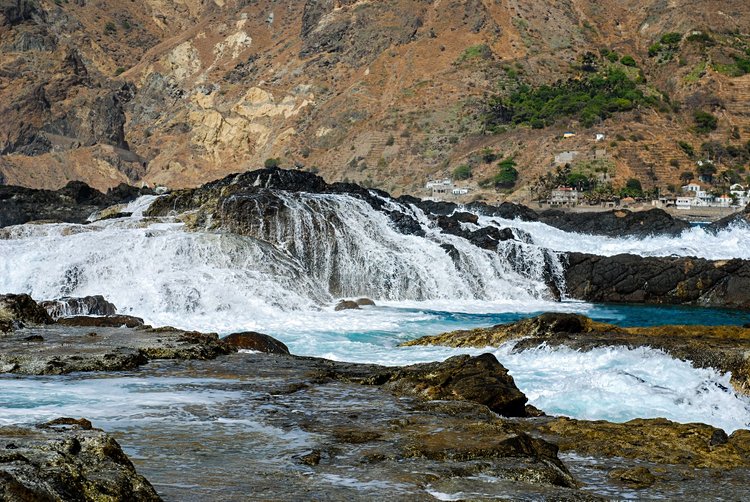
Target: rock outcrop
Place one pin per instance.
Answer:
(73, 203)
(67, 460)
(668, 280)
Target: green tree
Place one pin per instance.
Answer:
(671, 38)
(272, 163)
(628, 61)
(687, 176)
(507, 175)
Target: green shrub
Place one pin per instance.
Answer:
(272, 163)
(110, 28)
(628, 61)
(687, 148)
(119, 71)
(488, 155)
(390, 141)
(705, 122)
(654, 50)
(632, 188)
(462, 172)
(672, 38)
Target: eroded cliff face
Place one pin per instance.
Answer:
(383, 93)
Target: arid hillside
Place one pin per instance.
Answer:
(386, 93)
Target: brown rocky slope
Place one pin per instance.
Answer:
(385, 93)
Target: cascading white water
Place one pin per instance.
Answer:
(733, 242)
(318, 248)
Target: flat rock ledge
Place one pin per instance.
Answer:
(725, 348)
(67, 459)
(60, 349)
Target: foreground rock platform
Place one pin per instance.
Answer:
(98, 345)
(726, 348)
(67, 459)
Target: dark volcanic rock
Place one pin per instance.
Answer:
(109, 321)
(73, 203)
(67, 460)
(87, 305)
(618, 223)
(635, 279)
(17, 310)
(250, 340)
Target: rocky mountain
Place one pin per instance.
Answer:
(388, 93)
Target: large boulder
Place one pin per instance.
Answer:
(18, 310)
(67, 460)
(250, 340)
(87, 306)
(481, 379)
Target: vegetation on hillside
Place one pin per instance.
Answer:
(590, 99)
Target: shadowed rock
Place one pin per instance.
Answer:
(87, 305)
(17, 310)
(110, 321)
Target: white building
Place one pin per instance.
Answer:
(563, 158)
(564, 196)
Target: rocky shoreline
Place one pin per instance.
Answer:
(457, 426)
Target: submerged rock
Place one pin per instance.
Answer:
(725, 348)
(655, 440)
(67, 460)
(87, 306)
(250, 340)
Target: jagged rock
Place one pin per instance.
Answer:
(109, 321)
(17, 310)
(73, 203)
(250, 340)
(634, 279)
(481, 379)
(346, 305)
(67, 460)
(618, 223)
(86, 306)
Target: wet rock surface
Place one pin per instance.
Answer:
(726, 348)
(617, 223)
(87, 305)
(250, 340)
(67, 460)
(670, 280)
